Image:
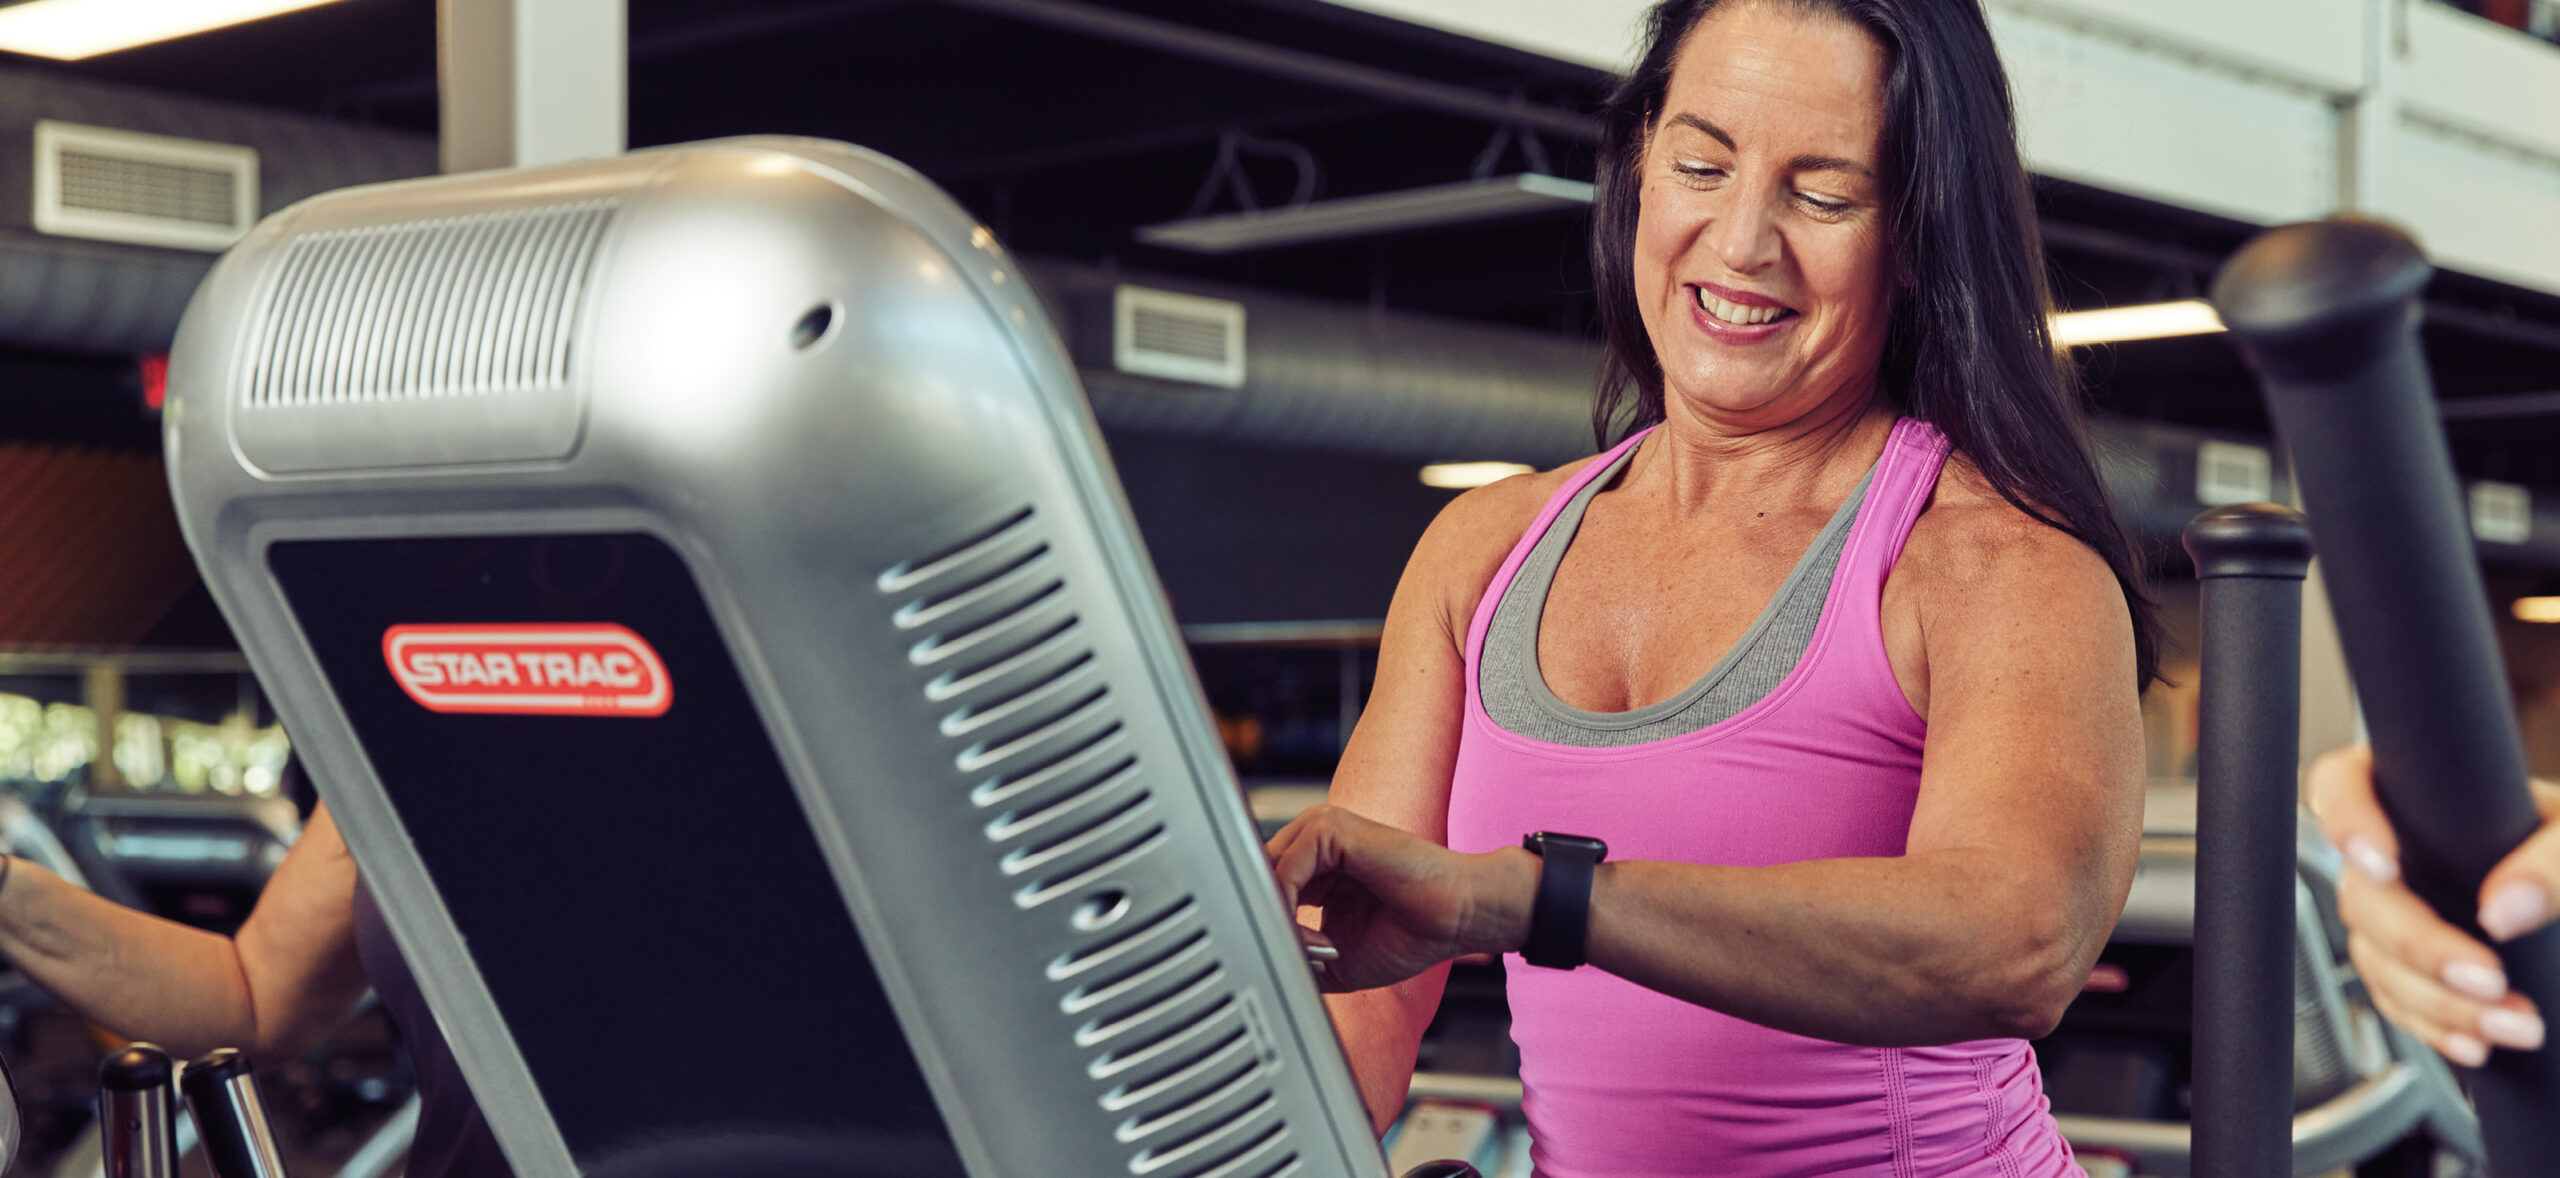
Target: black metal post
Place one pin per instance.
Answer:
(2328, 313)
(230, 1120)
(2251, 558)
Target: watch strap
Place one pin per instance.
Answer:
(1560, 915)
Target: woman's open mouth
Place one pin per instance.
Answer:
(1729, 311)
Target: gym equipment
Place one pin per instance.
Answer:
(137, 1116)
(230, 1119)
(2252, 559)
(2328, 314)
(696, 584)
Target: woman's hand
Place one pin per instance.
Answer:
(1395, 904)
(2424, 973)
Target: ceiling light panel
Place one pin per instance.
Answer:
(1465, 202)
(2146, 321)
(1459, 476)
(68, 30)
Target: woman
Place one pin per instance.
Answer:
(292, 974)
(1880, 843)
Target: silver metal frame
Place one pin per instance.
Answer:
(938, 396)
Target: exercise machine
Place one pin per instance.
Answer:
(2327, 312)
(696, 584)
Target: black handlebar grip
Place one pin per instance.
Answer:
(137, 1116)
(230, 1119)
(2251, 558)
(2328, 313)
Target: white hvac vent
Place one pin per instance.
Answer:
(2228, 472)
(112, 185)
(2501, 512)
(1177, 336)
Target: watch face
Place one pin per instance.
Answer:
(1545, 841)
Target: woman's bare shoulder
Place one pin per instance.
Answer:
(1467, 543)
(1972, 541)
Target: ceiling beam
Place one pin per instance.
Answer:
(1312, 69)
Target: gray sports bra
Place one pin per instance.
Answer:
(1515, 692)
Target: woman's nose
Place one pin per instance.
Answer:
(1745, 233)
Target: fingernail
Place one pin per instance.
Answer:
(2472, 979)
(2372, 861)
(1323, 953)
(2513, 910)
(2511, 1028)
(2465, 1050)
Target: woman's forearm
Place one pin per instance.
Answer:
(136, 974)
(1938, 947)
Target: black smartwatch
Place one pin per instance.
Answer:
(1560, 918)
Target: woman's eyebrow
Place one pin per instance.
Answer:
(1801, 163)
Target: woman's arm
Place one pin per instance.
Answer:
(1396, 769)
(2020, 853)
(284, 982)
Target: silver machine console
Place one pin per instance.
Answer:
(696, 585)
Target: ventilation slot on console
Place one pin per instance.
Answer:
(1179, 1063)
(461, 306)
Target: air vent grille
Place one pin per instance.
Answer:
(114, 185)
(1179, 1062)
(1178, 337)
(455, 307)
(100, 183)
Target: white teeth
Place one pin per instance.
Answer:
(1736, 313)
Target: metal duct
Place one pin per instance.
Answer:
(1331, 376)
(88, 296)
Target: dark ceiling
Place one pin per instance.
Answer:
(1066, 141)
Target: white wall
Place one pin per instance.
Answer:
(2262, 110)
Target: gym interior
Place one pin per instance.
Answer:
(1246, 294)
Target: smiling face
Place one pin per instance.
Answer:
(1762, 264)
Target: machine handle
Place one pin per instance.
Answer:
(2328, 313)
(137, 1119)
(1443, 1169)
(2251, 558)
(231, 1121)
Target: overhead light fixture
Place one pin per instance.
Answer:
(1437, 206)
(2538, 609)
(1460, 476)
(68, 30)
(2115, 325)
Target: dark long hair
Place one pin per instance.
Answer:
(1969, 349)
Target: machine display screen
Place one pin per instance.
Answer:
(561, 730)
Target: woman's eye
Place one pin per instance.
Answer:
(1827, 208)
(1697, 170)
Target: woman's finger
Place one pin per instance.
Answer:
(2397, 924)
(2516, 898)
(2546, 798)
(2453, 1023)
(2339, 789)
(1304, 850)
(2460, 1047)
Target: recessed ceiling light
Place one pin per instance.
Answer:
(2112, 325)
(68, 30)
(1458, 476)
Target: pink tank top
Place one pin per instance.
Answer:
(1625, 1082)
